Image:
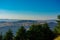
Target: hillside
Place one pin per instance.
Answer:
(14, 25)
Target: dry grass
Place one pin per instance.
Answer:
(57, 38)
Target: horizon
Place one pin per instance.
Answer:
(27, 19)
(29, 9)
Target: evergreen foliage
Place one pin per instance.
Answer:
(1, 37)
(57, 28)
(21, 34)
(9, 35)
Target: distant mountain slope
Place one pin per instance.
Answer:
(16, 24)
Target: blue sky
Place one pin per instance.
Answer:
(29, 9)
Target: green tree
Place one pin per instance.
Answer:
(57, 28)
(58, 16)
(21, 34)
(9, 35)
(40, 32)
(48, 34)
(1, 37)
(35, 32)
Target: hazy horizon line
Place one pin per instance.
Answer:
(28, 19)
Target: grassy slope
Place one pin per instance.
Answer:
(57, 38)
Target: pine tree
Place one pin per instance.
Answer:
(21, 34)
(1, 37)
(9, 35)
(48, 34)
(35, 32)
(57, 28)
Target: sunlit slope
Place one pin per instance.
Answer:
(57, 38)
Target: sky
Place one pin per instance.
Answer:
(29, 9)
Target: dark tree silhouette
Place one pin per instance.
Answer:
(9, 35)
(21, 34)
(1, 37)
(48, 34)
(57, 28)
(35, 32)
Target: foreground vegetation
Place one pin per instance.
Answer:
(35, 32)
(57, 38)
